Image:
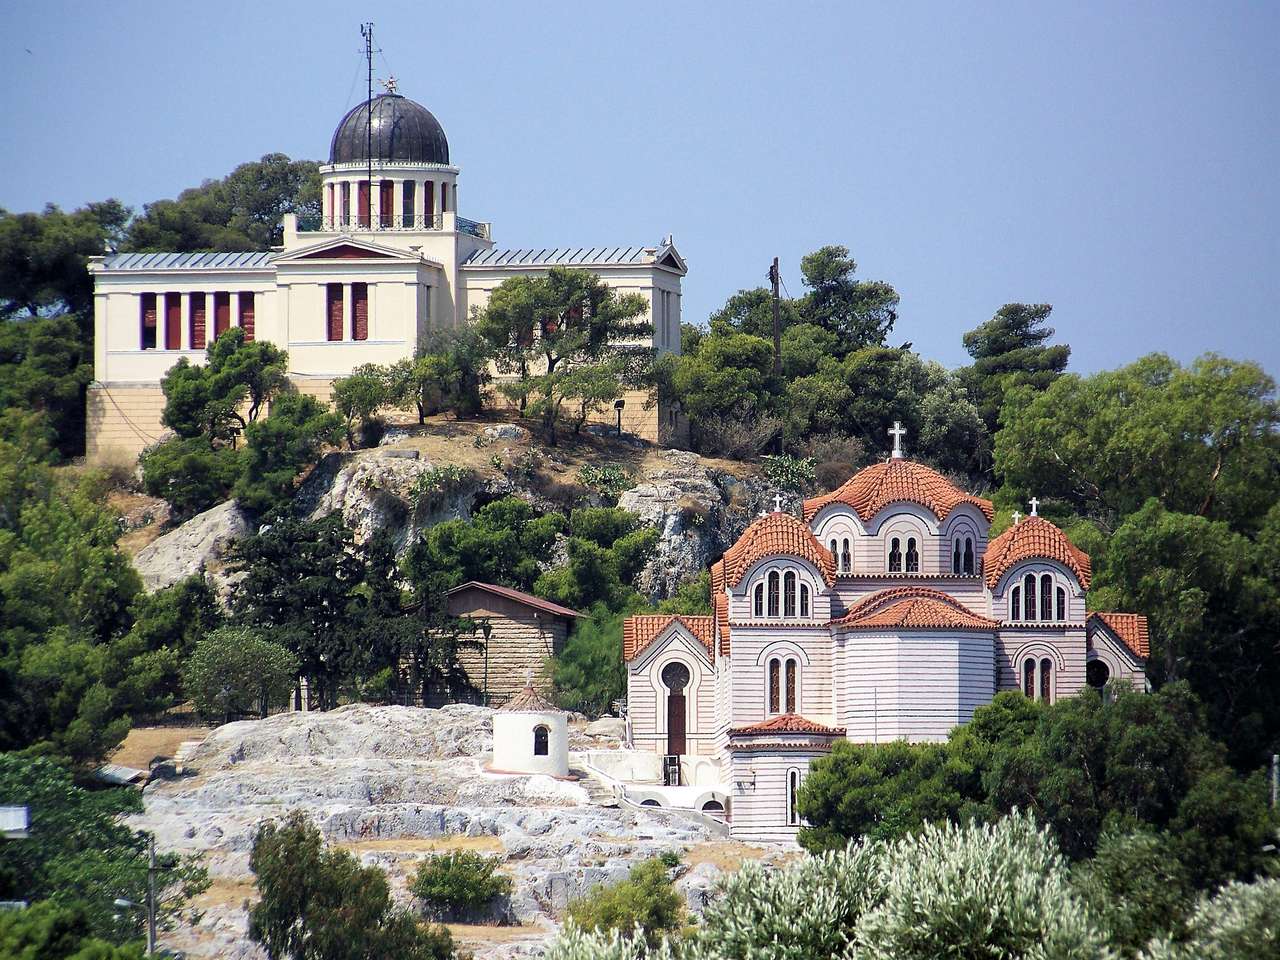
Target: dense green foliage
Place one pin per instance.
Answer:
(1086, 766)
(79, 856)
(458, 882)
(646, 902)
(48, 932)
(280, 446)
(235, 670)
(572, 340)
(1010, 351)
(321, 904)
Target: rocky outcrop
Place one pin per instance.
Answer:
(699, 511)
(200, 544)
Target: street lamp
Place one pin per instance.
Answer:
(150, 905)
(618, 405)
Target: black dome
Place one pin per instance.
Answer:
(402, 130)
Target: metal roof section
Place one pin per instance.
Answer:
(247, 260)
(565, 256)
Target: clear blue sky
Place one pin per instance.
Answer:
(1120, 161)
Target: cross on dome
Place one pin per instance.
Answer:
(1016, 517)
(1035, 506)
(897, 432)
(777, 503)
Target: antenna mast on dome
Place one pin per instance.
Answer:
(366, 31)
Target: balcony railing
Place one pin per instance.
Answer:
(474, 228)
(387, 222)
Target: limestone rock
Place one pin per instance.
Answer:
(199, 544)
(507, 431)
(613, 728)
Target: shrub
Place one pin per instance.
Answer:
(739, 434)
(190, 475)
(609, 480)
(795, 474)
(236, 670)
(280, 446)
(452, 883)
(1241, 923)
(435, 483)
(646, 902)
(359, 397)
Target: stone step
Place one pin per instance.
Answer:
(599, 791)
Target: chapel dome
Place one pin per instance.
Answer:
(1034, 538)
(774, 534)
(871, 490)
(402, 130)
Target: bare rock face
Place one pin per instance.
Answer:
(699, 512)
(200, 544)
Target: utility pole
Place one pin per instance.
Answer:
(366, 31)
(775, 278)
(151, 896)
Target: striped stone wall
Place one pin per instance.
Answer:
(522, 640)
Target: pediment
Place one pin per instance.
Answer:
(346, 248)
(670, 258)
(346, 251)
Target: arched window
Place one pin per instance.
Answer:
(793, 793)
(1046, 597)
(1062, 604)
(1015, 604)
(791, 686)
(913, 558)
(1029, 597)
(846, 558)
(759, 600)
(1046, 679)
(775, 685)
(968, 555)
(804, 600)
(1029, 678)
(895, 555)
(540, 736)
(773, 593)
(789, 594)
(713, 807)
(955, 557)
(835, 555)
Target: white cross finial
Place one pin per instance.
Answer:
(1035, 506)
(528, 678)
(777, 503)
(1016, 517)
(897, 432)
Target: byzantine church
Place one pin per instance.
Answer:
(884, 613)
(387, 259)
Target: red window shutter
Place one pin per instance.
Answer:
(360, 311)
(246, 314)
(386, 201)
(444, 196)
(333, 310)
(148, 338)
(221, 314)
(362, 203)
(173, 321)
(197, 320)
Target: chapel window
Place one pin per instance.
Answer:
(968, 556)
(1046, 679)
(793, 793)
(955, 557)
(1096, 674)
(913, 558)
(835, 555)
(1046, 597)
(789, 594)
(759, 600)
(540, 735)
(791, 686)
(1029, 597)
(775, 685)
(148, 321)
(1029, 678)
(804, 600)
(1062, 604)
(773, 593)
(895, 555)
(1015, 603)
(846, 559)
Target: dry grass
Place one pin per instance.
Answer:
(475, 934)
(143, 744)
(727, 855)
(226, 893)
(450, 843)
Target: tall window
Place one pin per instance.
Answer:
(804, 599)
(362, 204)
(895, 555)
(758, 608)
(773, 593)
(328, 196)
(913, 558)
(1029, 597)
(197, 315)
(1015, 603)
(793, 793)
(791, 686)
(1046, 679)
(386, 202)
(846, 559)
(359, 311)
(221, 313)
(789, 594)
(147, 320)
(444, 197)
(775, 685)
(246, 315)
(1029, 678)
(540, 737)
(955, 556)
(1062, 604)
(173, 321)
(1046, 597)
(344, 212)
(968, 556)
(835, 555)
(333, 310)
(429, 201)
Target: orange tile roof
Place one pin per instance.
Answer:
(871, 490)
(1131, 628)
(1034, 538)
(772, 535)
(721, 605)
(789, 723)
(913, 608)
(641, 630)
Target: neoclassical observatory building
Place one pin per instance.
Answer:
(388, 258)
(884, 612)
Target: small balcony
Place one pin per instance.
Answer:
(387, 223)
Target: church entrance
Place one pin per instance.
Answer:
(675, 677)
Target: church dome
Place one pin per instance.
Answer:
(1034, 538)
(402, 130)
(871, 490)
(774, 534)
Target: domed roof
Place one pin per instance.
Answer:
(402, 130)
(914, 608)
(871, 490)
(776, 534)
(1034, 538)
(529, 700)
